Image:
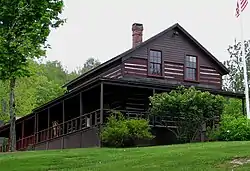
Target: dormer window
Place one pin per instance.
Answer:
(191, 73)
(155, 63)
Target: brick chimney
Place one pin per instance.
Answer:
(137, 30)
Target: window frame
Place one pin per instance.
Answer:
(161, 75)
(197, 75)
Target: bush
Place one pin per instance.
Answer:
(232, 128)
(189, 109)
(121, 132)
(233, 107)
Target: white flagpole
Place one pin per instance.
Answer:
(244, 63)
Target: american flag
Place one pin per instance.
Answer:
(241, 5)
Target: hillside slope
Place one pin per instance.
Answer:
(200, 156)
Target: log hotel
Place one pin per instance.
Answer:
(124, 83)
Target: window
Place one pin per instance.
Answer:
(191, 68)
(155, 63)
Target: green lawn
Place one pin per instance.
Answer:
(200, 156)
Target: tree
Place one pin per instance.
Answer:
(88, 65)
(55, 72)
(24, 28)
(3, 97)
(36, 90)
(189, 109)
(30, 89)
(47, 90)
(44, 84)
(234, 80)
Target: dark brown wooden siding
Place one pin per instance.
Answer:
(174, 49)
(135, 66)
(115, 72)
(173, 70)
(111, 71)
(209, 75)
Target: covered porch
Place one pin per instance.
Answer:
(74, 120)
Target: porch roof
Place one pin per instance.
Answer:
(122, 82)
(169, 87)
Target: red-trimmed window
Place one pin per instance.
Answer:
(191, 68)
(155, 63)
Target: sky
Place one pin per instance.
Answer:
(102, 29)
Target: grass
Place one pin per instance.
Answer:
(200, 156)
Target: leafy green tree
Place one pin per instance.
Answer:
(55, 72)
(189, 110)
(72, 75)
(25, 95)
(24, 28)
(3, 97)
(88, 65)
(234, 80)
(47, 90)
(36, 90)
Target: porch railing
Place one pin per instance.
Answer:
(87, 120)
(156, 121)
(82, 122)
(23, 143)
(76, 124)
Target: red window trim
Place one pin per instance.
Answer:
(162, 69)
(197, 69)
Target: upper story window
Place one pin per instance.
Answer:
(191, 68)
(155, 63)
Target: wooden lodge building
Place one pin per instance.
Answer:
(160, 64)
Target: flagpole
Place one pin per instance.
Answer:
(244, 64)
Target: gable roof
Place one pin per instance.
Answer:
(119, 57)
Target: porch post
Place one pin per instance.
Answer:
(22, 134)
(63, 116)
(37, 125)
(101, 104)
(47, 136)
(48, 122)
(81, 108)
(35, 129)
(63, 120)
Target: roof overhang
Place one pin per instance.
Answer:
(169, 87)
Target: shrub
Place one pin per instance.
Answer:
(189, 110)
(115, 133)
(233, 107)
(232, 128)
(121, 132)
